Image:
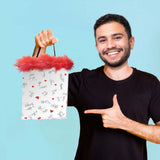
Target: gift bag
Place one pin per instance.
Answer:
(45, 86)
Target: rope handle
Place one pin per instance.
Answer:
(54, 50)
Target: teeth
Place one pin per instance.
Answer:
(112, 53)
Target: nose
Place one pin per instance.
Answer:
(110, 44)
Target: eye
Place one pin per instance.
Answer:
(117, 37)
(102, 40)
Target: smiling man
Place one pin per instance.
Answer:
(114, 101)
(113, 46)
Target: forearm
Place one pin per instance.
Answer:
(42, 51)
(148, 132)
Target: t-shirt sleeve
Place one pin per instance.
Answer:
(75, 81)
(155, 101)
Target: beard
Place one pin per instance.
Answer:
(123, 59)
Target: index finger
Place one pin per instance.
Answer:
(94, 111)
(49, 33)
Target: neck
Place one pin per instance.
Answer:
(118, 73)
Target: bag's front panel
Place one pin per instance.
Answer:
(45, 94)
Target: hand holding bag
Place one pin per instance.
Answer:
(45, 86)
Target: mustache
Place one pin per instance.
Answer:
(115, 49)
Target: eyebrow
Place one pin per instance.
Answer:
(113, 35)
(117, 34)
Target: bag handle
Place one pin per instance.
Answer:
(54, 50)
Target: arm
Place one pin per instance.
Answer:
(114, 118)
(148, 132)
(43, 39)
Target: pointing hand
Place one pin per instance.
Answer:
(111, 117)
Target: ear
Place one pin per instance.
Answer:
(131, 41)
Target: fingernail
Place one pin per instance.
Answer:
(53, 41)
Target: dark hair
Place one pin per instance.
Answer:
(113, 18)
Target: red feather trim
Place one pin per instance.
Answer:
(43, 62)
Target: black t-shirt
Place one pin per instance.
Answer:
(139, 100)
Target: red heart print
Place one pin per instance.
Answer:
(37, 97)
(52, 98)
(51, 111)
(25, 117)
(45, 80)
(39, 117)
(32, 86)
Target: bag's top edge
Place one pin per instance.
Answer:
(43, 62)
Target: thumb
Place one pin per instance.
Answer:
(54, 40)
(115, 101)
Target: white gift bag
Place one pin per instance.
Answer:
(45, 86)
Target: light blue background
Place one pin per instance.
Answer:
(72, 23)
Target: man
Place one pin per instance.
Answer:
(114, 101)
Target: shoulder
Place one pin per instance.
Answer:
(78, 79)
(85, 73)
(146, 77)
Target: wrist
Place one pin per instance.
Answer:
(35, 52)
(126, 122)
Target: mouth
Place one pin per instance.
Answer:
(112, 52)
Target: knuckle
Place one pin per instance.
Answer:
(104, 117)
(44, 43)
(49, 31)
(39, 35)
(43, 31)
(104, 125)
(36, 37)
(50, 37)
(104, 121)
